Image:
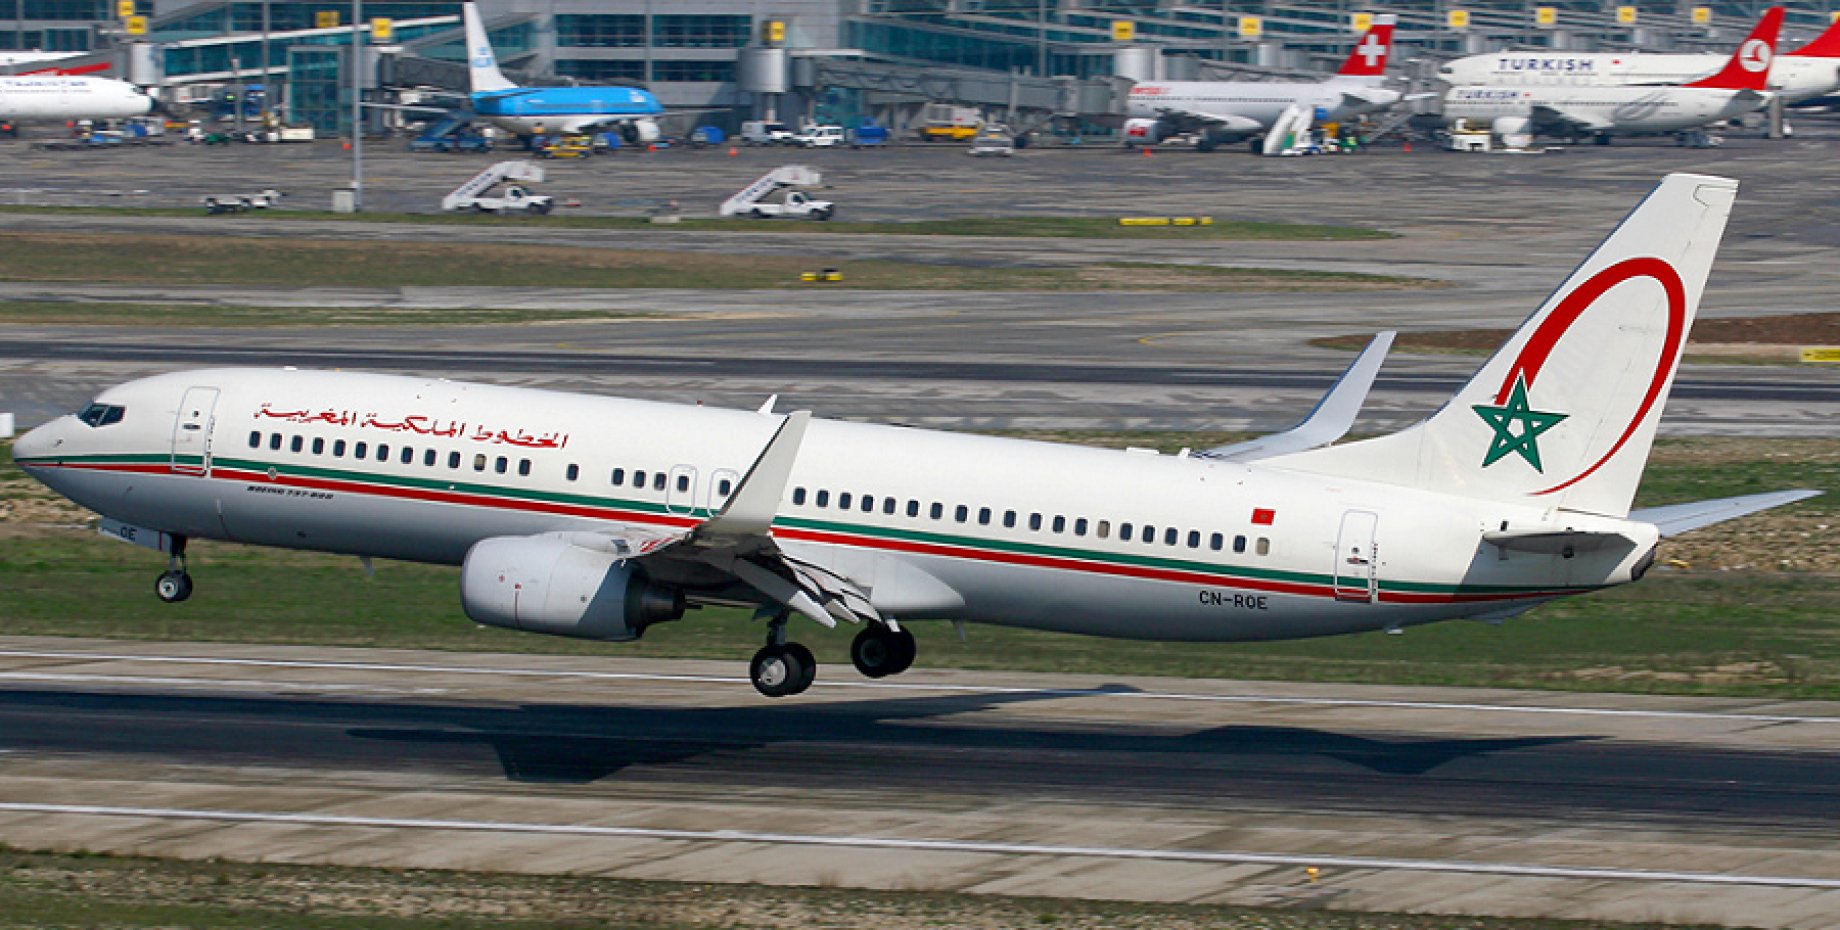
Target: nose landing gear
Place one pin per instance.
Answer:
(174, 584)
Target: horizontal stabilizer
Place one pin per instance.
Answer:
(1333, 417)
(1675, 519)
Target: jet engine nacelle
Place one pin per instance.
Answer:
(1145, 131)
(1515, 132)
(546, 584)
(640, 132)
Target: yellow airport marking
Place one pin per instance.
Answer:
(1821, 353)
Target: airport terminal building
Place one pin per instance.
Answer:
(834, 60)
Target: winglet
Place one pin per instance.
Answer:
(1333, 417)
(750, 511)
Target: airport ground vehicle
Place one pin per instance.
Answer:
(765, 132)
(261, 200)
(475, 194)
(993, 139)
(868, 134)
(819, 136)
(950, 123)
(564, 147)
(795, 205)
(754, 199)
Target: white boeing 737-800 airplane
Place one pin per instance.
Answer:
(596, 517)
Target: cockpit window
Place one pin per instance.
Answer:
(102, 414)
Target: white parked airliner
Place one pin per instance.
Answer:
(1228, 111)
(52, 97)
(596, 517)
(1602, 112)
(1810, 71)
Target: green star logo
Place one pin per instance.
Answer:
(1503, 420)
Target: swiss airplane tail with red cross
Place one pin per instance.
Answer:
(1749, 66)
(1366, 62)
(1563, 416)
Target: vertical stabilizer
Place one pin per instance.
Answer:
(1748, 68)
(482, 64)
(1825, 45)
(1366, 62)
(1564, 414)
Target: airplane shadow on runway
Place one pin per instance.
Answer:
(919, 740)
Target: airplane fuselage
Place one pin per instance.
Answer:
(69, 98)
(1795, 77)
(562, 110)
(934, 525)
(1260, 102)
(1618, 109)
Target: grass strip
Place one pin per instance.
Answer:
(307, 262)
(40, 890)
(1054, 227)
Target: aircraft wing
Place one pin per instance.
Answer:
(1549, 115)
(1198, 119)
(1675, 519)
(1331, 419)
(1358, 97)
(737, 542)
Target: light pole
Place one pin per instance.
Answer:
(357, 109)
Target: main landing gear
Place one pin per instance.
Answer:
(781, 668)
(174, 584)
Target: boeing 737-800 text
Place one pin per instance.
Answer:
(596, 517)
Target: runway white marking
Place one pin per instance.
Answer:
(235, 682)
(936, 845)
(919, 686)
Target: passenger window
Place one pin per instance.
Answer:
(319, 446)
(983, 516)
(638, 478)
(1060, 523)
(1264, 546)
(1035, 521)
(296, 444)
(274, 441)
(961, 513)
(1169, 536)
(798, 495)
(1194, 539)
(913, 508)
(255, 440)
(657, 481)
(572, 472)
(725, 487)
(1009, 519)
(868, 503)
(501, 465)
(937, 511)
(479, 461)
(408, 455)
(1079, 526)
(843, 501)
(453, 460)
(1149, 534)
(1239, 544)
(824, 498)
(429, 457)
(888, 506)
(1215, 541)
(383, 452)
(524, 467)
(338, 449)
(360, 450)
(683, 482)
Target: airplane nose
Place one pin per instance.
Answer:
(35, 444)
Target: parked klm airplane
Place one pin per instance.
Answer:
(1602, 112)
(596, 517)
(45, 97)
(1808, 72)
(558, 110)
(1229, 111)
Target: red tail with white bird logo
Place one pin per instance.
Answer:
(1749, 66)
(1565, 413)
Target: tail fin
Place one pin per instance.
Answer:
(1749, 66)
(1367, 60)
(1565, 412)
(1825, 45)
(482, 65)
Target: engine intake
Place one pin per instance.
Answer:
(544, 584)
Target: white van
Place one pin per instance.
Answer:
(819, 137)
(765, 132)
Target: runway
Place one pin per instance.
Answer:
(1436, 800)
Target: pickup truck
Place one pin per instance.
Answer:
(795, 206)
(516, 199)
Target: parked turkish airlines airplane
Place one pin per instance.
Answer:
(1602, 112)
(596, 517)
(1230, 111)
(1808, 72)
(67, 98)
